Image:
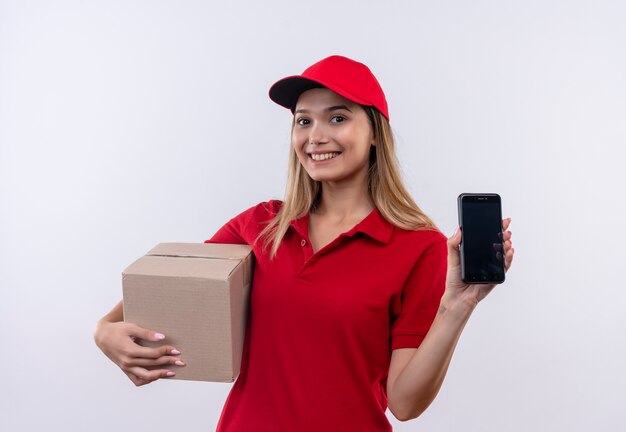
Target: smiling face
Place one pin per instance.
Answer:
(332, 137)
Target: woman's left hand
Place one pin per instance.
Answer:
(459, 292)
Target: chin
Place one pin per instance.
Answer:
(328, 178)
(320, 178)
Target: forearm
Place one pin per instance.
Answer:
(116, 314)
(420, 380)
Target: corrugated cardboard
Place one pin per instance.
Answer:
(197, 294)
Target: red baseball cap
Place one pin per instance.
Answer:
(344, 76)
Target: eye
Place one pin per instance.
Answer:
(338, 119)
(302, 121)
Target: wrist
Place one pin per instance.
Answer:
(456, 306)
(99, 329)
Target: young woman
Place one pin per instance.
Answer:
(357, 300)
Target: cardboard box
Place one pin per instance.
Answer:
(197, 295)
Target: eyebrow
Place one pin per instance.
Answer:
(330, 108)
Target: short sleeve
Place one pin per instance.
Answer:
(242, 229)
(231, 233)
(421, 296)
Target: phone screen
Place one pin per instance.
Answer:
(481, 245)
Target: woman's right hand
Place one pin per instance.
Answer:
(117, 341)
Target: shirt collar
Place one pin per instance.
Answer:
(373, 225)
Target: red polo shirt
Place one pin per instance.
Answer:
(322, 325)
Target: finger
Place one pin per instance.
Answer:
(147, 376)
(136, 331)
(139, 351)
(138, 381)
(507, 253)
(453, 248)
(133, 378)
(508, 259)
(505, 224)
(165, 360)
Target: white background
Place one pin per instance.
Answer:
(128, 123)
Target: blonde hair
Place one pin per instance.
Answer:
(385, 186)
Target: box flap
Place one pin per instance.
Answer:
(202, 250)
(179, 266)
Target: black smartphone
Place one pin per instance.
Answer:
(482, 246)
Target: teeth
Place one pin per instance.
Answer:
(324, 156)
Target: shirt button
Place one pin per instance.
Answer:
(303, 242)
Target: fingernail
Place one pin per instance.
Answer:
(170, 373)
(159, 336)
(175, 352)
(179, 363)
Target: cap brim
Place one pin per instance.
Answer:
(286, 91)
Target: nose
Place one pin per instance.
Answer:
(317, 133)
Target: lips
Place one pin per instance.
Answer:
(322, 157)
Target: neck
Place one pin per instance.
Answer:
(344, 201)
